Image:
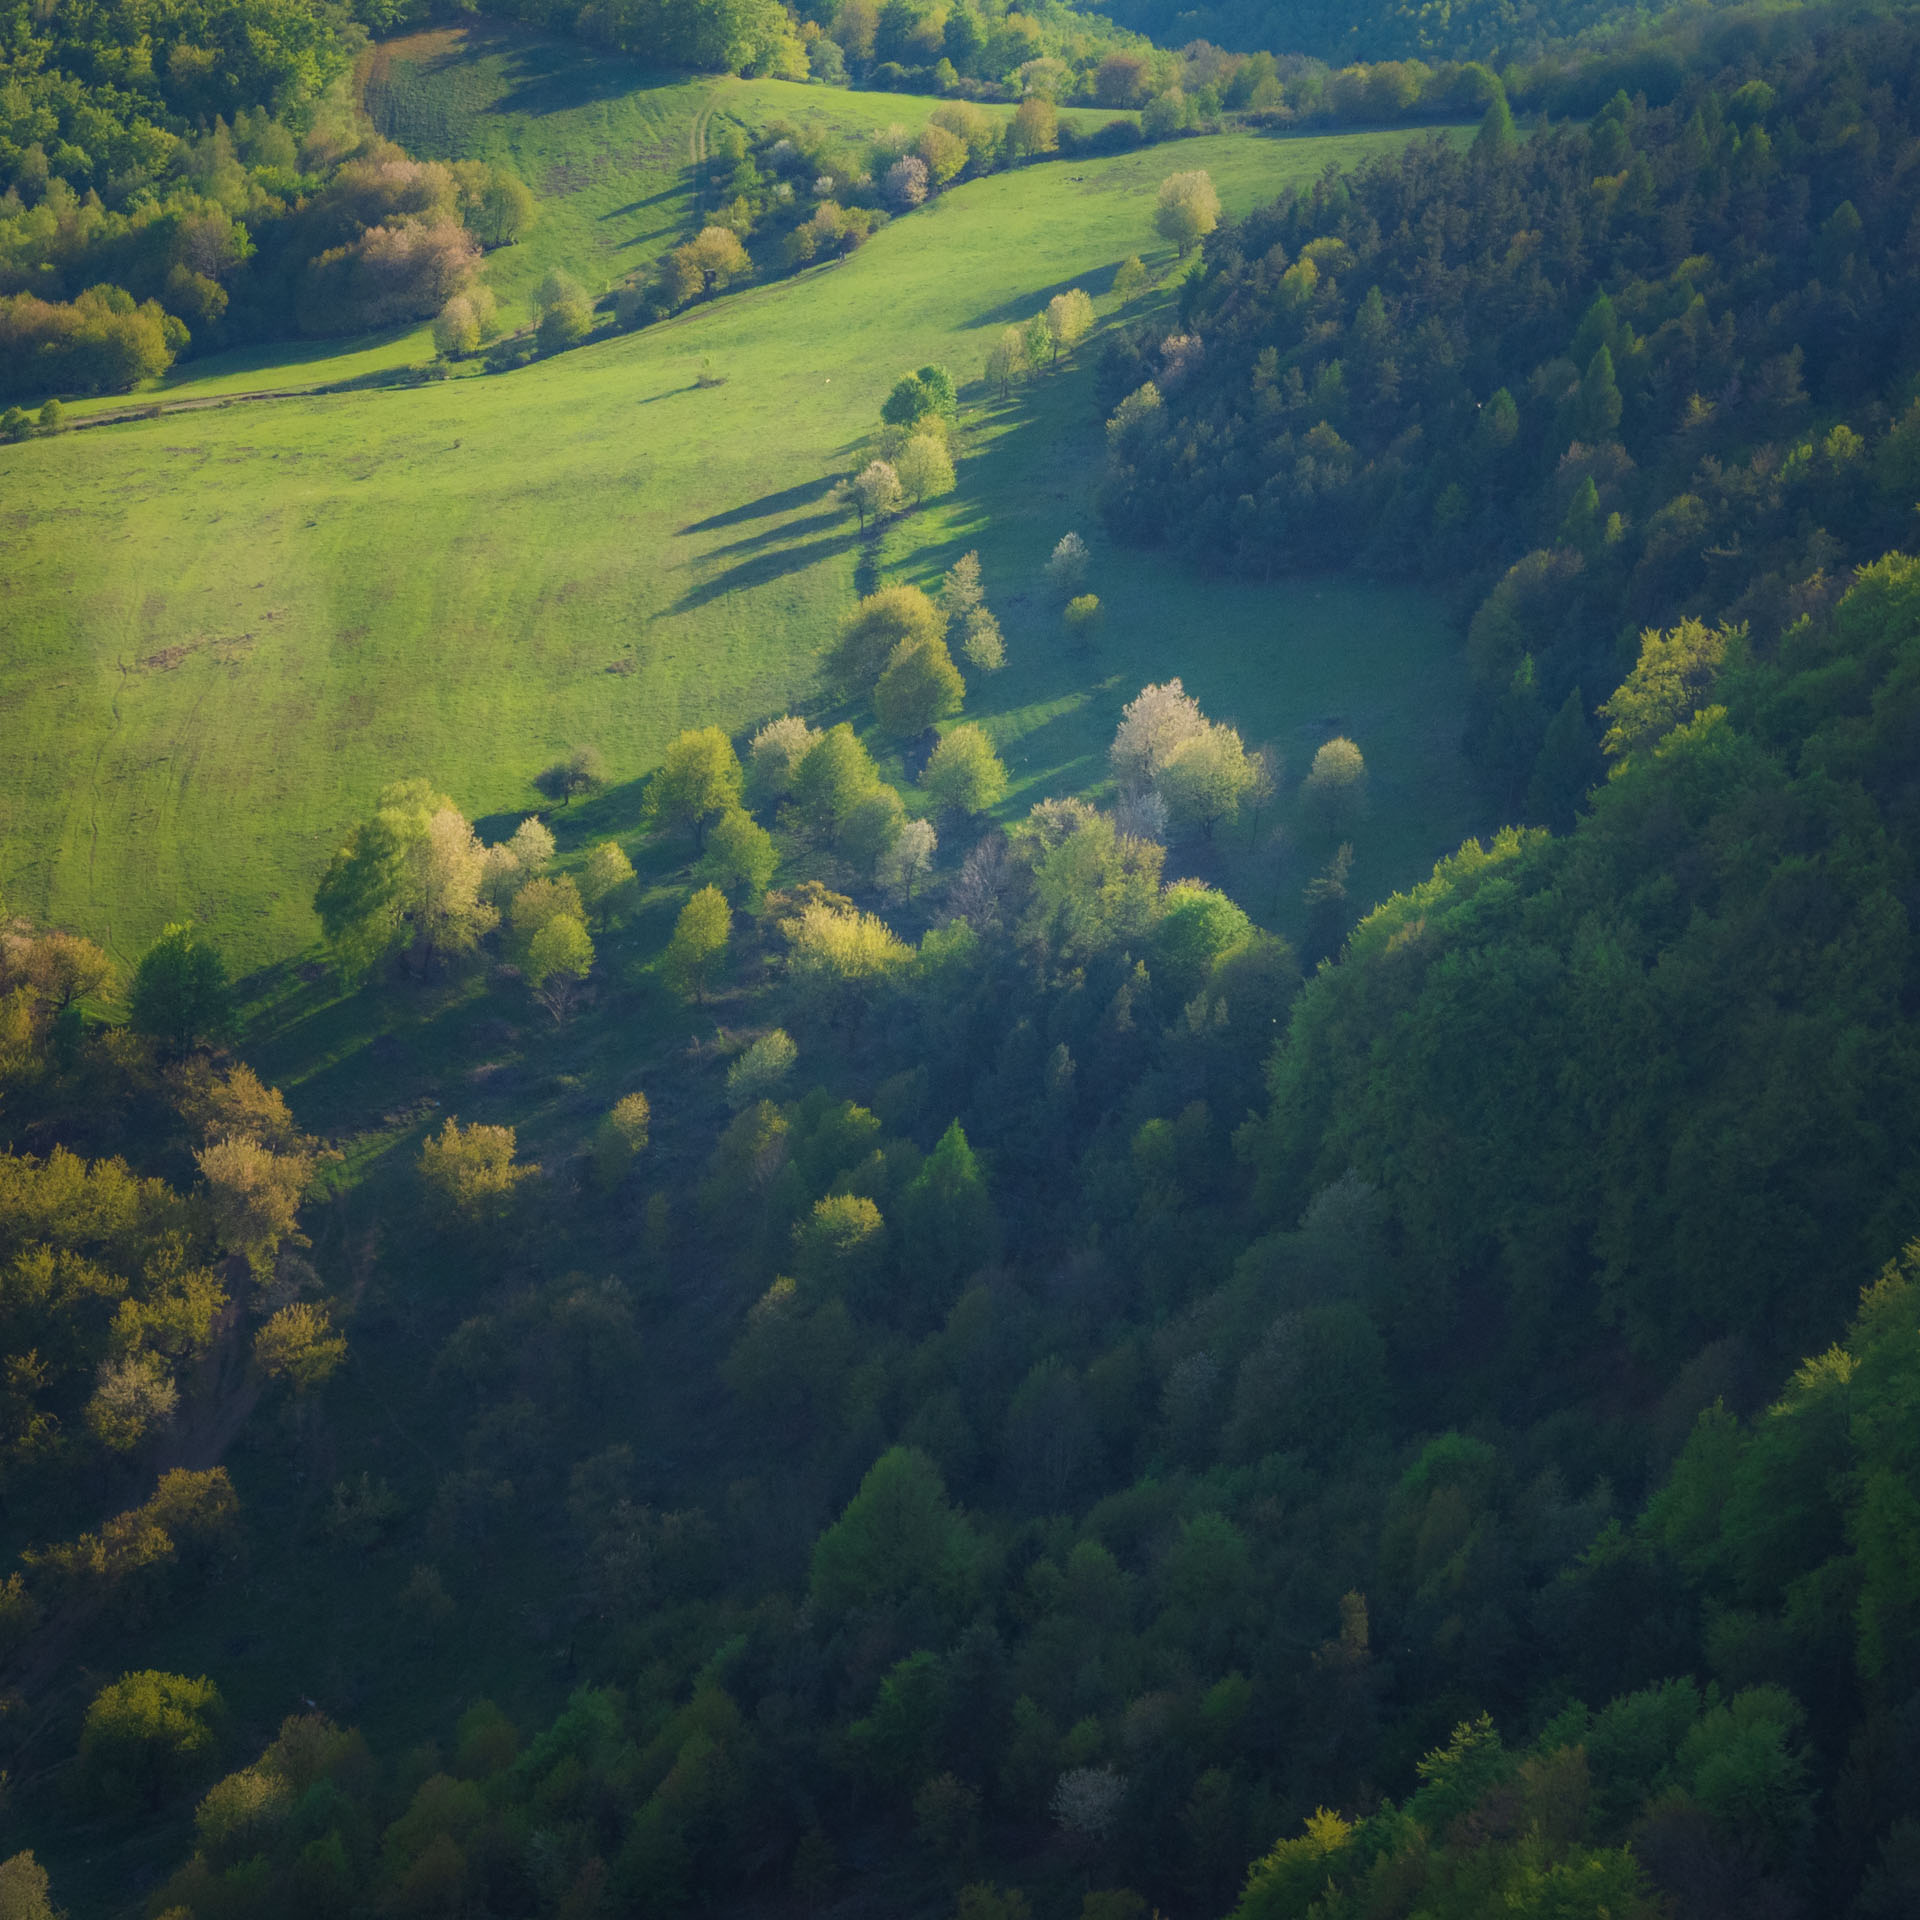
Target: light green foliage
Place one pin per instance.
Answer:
(180, 993)
(1671, 682)
(298, 1344)
(762, 1069)
(836, 956)
(1197, 928)
(699, 943)
(920, 686)
(148, 1734)
(1206, 779)
(560, 952)
(1069, 320)
(740, 858)
(871, 828)
(1188, 209)
(470, 1171)
(621, 1138)
(1095, 890)
(1334, 793)
(984, 645)
(461, 664)
(606, 880)
(963, 773)
(699, 778)
(840, 1246)
(837, 774)
(773, 760)
(1130, 280)
(876, 629)
(925, 468)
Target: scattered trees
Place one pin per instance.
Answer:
(1082, 617)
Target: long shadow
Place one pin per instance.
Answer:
(1024, 306)
(759, 570)
(764, 508)
(634, 206)
(787, 530)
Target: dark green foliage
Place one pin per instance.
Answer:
(1587, 436)
(180, 994)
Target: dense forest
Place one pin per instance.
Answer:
(1066, 1405)
(1651, 369)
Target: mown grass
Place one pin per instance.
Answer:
(227, 630)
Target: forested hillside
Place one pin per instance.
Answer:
(800, 1329)
(1653, 368)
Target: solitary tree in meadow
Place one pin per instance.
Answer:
(1188, 209)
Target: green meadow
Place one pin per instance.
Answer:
(227, 629)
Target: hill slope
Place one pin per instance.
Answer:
(229, 629)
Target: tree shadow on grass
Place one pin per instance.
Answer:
(787, 530)
(764, 508)
(1024, 306)
(761, 569)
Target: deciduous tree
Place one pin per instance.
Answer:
(699, 943)
(963, 773)
(1188, 209)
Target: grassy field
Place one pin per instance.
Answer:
(607, 145)
(227, 630)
